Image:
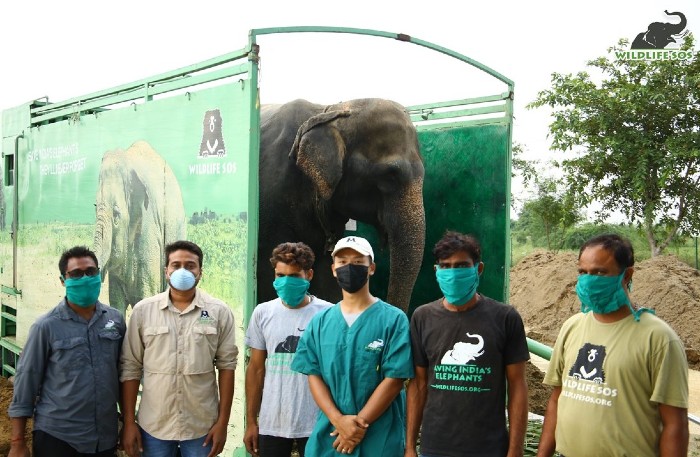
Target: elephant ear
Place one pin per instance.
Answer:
(139, 198)
(319, 150)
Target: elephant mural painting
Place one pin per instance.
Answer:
(139, 210)
(660, 34)
(322, 165)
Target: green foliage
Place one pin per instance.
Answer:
(634, 140)
(545, 218)
(224, 245)
(575, 236)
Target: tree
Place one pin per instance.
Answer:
(548, 215)
(636, 140)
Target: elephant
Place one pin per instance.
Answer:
(139, 210)
(323, 165)
(463, 353)
(660, 34)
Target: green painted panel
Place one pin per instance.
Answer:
(129, 180)
(467, 186)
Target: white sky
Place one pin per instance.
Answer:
(71, 48)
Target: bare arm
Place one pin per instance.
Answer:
(381, 398)
(131, 435)
(18, 446)
(416, 396)
(517, 408)
(217, 433)
(254, 380)
(346, 425)
(674, 434)
(548, 444)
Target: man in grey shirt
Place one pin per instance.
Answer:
(71, 363)
(279, 407)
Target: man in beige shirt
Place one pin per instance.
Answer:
(174, 340)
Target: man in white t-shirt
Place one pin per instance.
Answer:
(279, 407)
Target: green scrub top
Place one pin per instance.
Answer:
(352, 362)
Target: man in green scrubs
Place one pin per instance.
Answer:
(357, 355)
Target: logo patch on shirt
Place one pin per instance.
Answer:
(205, 318)
(375, 346)
(109, 328)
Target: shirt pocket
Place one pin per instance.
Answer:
(367, 367)
(72, 354)
(110, 344)
(202, 350)
(158, 355)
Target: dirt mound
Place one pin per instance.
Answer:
(542, 288)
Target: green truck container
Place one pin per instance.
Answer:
(176, 156)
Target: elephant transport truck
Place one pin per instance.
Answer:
(191, 154)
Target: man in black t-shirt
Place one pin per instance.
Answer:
(465, 347)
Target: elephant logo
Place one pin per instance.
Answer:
(589, 364)
(212, 144)
(659, 34)
(375, 346)
(463, 353)
(289, 345)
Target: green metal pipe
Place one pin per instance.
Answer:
(539, 349)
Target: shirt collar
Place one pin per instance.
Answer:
(65, 312)
(166, 302)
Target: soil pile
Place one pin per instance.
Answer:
(542, 288)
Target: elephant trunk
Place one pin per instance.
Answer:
(102, 242)
(478, 346)
(405, 225)
(675, 29)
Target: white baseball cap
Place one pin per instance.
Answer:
(355, 243)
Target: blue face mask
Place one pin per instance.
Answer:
(458, 284)
(83, 291)
(182, 279)
(291, 289)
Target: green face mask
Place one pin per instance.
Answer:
(601, 294)
(605, 294)
(83, 291)
(291, 289)
(458, 284)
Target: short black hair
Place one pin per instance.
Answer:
(184, 245)
(620, 247)
(74, 252)
(453, 242)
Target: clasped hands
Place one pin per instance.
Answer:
(349, 432)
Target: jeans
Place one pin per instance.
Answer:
(153, 447)
(45, 445)
(275, 446)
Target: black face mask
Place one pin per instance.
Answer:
(352, 278)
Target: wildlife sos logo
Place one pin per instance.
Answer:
(589, 364)
(586, 380)
(651, 44)
(212, 144)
